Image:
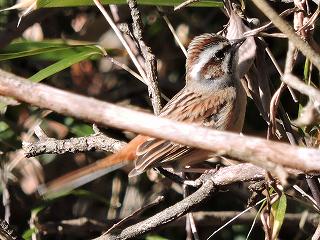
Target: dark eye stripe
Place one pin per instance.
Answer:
(221, 53)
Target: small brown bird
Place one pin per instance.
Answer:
(212, 97)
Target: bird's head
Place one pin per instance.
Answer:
(211, 57)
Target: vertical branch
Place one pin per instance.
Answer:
(122, 40)
(150, 60)
(150, 75)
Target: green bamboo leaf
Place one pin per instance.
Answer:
(65, 63)
(24, 45)
(78, 3)
(155, 237)
(28, 233)
(279, 212)
(13, 55)
(49, 50)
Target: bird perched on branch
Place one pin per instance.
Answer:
(213, 97)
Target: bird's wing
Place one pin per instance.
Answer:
(209, 110)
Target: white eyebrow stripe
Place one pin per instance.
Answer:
(203, 58)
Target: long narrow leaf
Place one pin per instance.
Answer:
(65, 63)
(78, 3)
(13, 55)
(52, 50)
(279, 212)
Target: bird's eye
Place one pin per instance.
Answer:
(220, 54)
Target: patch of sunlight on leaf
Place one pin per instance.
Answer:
(3, 126)
(68, 121)
(28, 233)
(81, 130)
(278, 210)
(241, 237)
(3, 108)
(155, 237)
(5, 131)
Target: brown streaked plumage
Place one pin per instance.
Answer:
(213, 97)
(208, 110)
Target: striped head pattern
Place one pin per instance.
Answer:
(210, 57)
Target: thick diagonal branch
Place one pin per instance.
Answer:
(250, 149)
(222, 177)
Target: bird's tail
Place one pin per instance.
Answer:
(92, 171)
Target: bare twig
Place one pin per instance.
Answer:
(166, 19)
(193, 226)
(288, 30)
(150, 60)
(234, 218)
(275, 100)
(223, 176)
(316, 235)
(82, 226)
(96, 142)
(268, 25)
(5, 193)
(166, 216)
(125, 67)
(149, 76)
(184, 4)
(305, 89)
(135, 214)
(314, 188)
(124, 43)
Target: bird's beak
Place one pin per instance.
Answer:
(236, 43)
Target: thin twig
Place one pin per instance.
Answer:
(96, 142)
(125, 67)
(223, 177)
(135, 214)
(124, 43)
(305, 89)
(268, 25)
(84, 226)
(166, 216)
(316, 235)
(235, 217)
(284, 27)
(307, 196)
(193, 226)
(184, 4)
(150, 60)
(166, 19)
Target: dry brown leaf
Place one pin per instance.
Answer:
(252, 64)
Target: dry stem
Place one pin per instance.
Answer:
(95, 142)
(284, 27)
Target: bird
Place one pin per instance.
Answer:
(212, 97)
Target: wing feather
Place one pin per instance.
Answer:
(209, 110)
